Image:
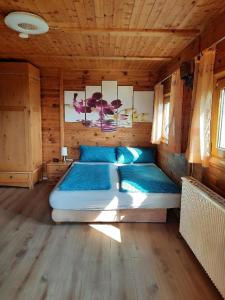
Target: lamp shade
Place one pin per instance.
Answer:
(64, 151)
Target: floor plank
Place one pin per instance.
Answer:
(40, 260)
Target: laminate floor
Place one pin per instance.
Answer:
(40, 260)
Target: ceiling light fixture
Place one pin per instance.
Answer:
(26, 23)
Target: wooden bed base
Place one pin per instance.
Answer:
(112, 216)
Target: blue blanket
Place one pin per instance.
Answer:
(86, 177)
(146, 179)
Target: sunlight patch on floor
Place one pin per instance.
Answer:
(109, 230)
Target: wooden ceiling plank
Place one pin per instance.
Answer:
(135, 15)
(145, 12)
(108, 13)
(201, 13)
(99, 13)
(214, 32)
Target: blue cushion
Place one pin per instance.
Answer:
(97, 154)
(127, 155)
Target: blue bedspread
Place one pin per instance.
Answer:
(86, 177)
(146, 179)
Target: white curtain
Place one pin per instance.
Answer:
(199, 140)
(176, 99)
(158, 115)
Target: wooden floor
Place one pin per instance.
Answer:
(40, 260)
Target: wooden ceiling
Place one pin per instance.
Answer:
(107, 34)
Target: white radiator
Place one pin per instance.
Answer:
(202, 224)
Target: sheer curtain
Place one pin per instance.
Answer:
(176, 99)
(199, 139)
(158, 115)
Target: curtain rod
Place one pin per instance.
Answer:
(164, 79)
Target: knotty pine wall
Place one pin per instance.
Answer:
(213, 176)
(176, 165)
(76, 134)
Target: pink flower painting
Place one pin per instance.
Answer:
(107, 112)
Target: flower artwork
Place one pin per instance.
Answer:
(143, 106)
(76, 98)
(103, 113)
(108, 106)
(125, 113)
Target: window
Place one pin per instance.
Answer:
(166, 118)
(221, 122)
(218, 120)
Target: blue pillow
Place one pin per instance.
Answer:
(97, 154)
(127, 155)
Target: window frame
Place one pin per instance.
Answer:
(219, 86)
(221, 114)
(166, 99)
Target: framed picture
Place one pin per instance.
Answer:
(124, 113)
(74, 106)
(143, 106)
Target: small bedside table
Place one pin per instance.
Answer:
(55, 170)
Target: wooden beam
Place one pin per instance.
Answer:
(160, 32)
(213, 33)
(72, 56)
(156, 32)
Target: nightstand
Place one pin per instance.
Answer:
(55, 170)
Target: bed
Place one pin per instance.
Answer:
(111, 205)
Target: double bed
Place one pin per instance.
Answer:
(120, 202)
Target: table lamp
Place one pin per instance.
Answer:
(64, 153)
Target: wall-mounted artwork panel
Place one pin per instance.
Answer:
(124, 116)
(74, 106)
(93, 105)
(109, 90)
(109, 105)
(91, 89)
(143, 106)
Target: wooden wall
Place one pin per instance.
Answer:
(213, 176)
(76, 134)
(176, 165)
(50, 89)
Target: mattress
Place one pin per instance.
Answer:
(110, 199)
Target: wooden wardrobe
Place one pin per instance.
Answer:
(20, 124)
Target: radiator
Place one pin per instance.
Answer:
(202, 225)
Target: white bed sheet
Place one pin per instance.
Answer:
(110, 199)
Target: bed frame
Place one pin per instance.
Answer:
(110, 216)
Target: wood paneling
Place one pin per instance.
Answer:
(213, 33)
(76, 134)
(141, 80)
(87, 262)
(174, 165)
(50, 95)
(107, 28)
(213, 176)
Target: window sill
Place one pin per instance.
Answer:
(164, 141)
(217, 162)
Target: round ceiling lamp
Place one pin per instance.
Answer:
(26, 23)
